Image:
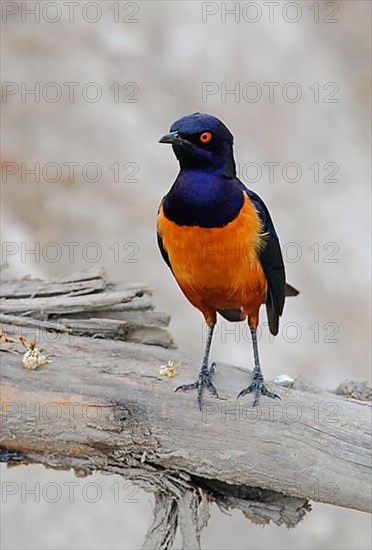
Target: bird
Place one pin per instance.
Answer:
(219, 241)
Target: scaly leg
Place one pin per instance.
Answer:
(257, 386)
(205, 374)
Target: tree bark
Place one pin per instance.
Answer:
(102, 405)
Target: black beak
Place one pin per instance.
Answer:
(174, 138)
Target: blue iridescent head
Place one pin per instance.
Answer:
(202, 141)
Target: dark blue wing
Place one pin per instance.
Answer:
(272, 264)
(163, 252)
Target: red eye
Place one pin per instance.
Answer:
(205, 137)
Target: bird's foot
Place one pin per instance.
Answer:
(204, 380)
(257, 387)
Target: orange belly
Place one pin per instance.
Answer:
(218, 268)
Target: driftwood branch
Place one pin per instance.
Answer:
(102, 405)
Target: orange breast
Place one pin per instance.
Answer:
(218, 268)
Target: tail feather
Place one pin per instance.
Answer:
(291, 290)
(235, 315)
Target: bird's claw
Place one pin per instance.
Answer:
(204, 380)
(257, 387)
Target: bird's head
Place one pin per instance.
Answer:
(202, 141)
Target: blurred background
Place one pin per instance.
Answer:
(87, 90)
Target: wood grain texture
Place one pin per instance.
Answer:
(101, 405)
(85, 304)
(310, 445)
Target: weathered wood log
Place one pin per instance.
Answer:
(102, 405)
(86, 305)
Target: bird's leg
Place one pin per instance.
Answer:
(257, 386)
(205, 374)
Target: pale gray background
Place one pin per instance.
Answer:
(169, 53)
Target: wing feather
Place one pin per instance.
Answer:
(161, 246)
(272, 263)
